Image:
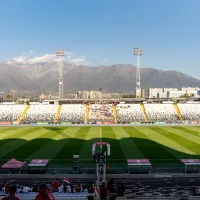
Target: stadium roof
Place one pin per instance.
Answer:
(191, 161)
(38, 163)
(136, 162)
(13, 164)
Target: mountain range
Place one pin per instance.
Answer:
(44, 77)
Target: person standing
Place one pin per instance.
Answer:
(103, 192)
(91, 192)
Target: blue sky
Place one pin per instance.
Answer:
(104, 32)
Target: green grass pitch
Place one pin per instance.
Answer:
(161, 144)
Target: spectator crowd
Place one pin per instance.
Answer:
(72, 113)
(161, 112)
(51, 190)
(41, 113)
(129, 113)
(76, 113)
(100, 113)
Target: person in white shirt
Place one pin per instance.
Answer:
(69, 189)
(60, 189)
(26, 189)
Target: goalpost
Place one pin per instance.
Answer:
(101, 144)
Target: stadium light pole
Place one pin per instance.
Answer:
(138, 52)
(60, 53)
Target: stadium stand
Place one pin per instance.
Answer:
(129, 113)
(72, 113)
(101, 113)
(142, 188)
(187, 188)
(190, 111)
(161, 112)
(11, 112)
(77, 113)
(41, 113)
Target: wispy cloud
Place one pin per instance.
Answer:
(78, 61)
(27, 59)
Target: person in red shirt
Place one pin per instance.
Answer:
(56, 185)
(44, 193)
(91, 191)
(11, 196)
(103, 192)
(78, 188)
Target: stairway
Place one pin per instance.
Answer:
(58, 113)
(23, 114)
(178, 111)
(115, 113)
(144, 112)
(101, 177)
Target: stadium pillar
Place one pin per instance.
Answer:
(115, 113)
(86, 113)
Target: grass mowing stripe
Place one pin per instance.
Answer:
(10, 139)
(57, 143)
(192, 130)
(129, 148)
(192, 146)
(17, 135)
(4, 129)
(16, 132)
(164, 140)
(157, 153)
(116, 154)
(31, 146)
(74, 145)
(11, 146)
(185, 134)
(91, 138)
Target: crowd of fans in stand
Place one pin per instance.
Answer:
(129, 113)
(190, 111)
(10, 113)
(161, 112)
(99, 113)
(72, 113)
(41, 113)
(49, 190)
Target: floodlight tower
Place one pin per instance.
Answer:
(60, 53)
(138, 52)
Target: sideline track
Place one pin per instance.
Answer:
(90, 125)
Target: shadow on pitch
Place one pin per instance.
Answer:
(64, 150)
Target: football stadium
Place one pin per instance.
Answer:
(99, 100)
(134, 140)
